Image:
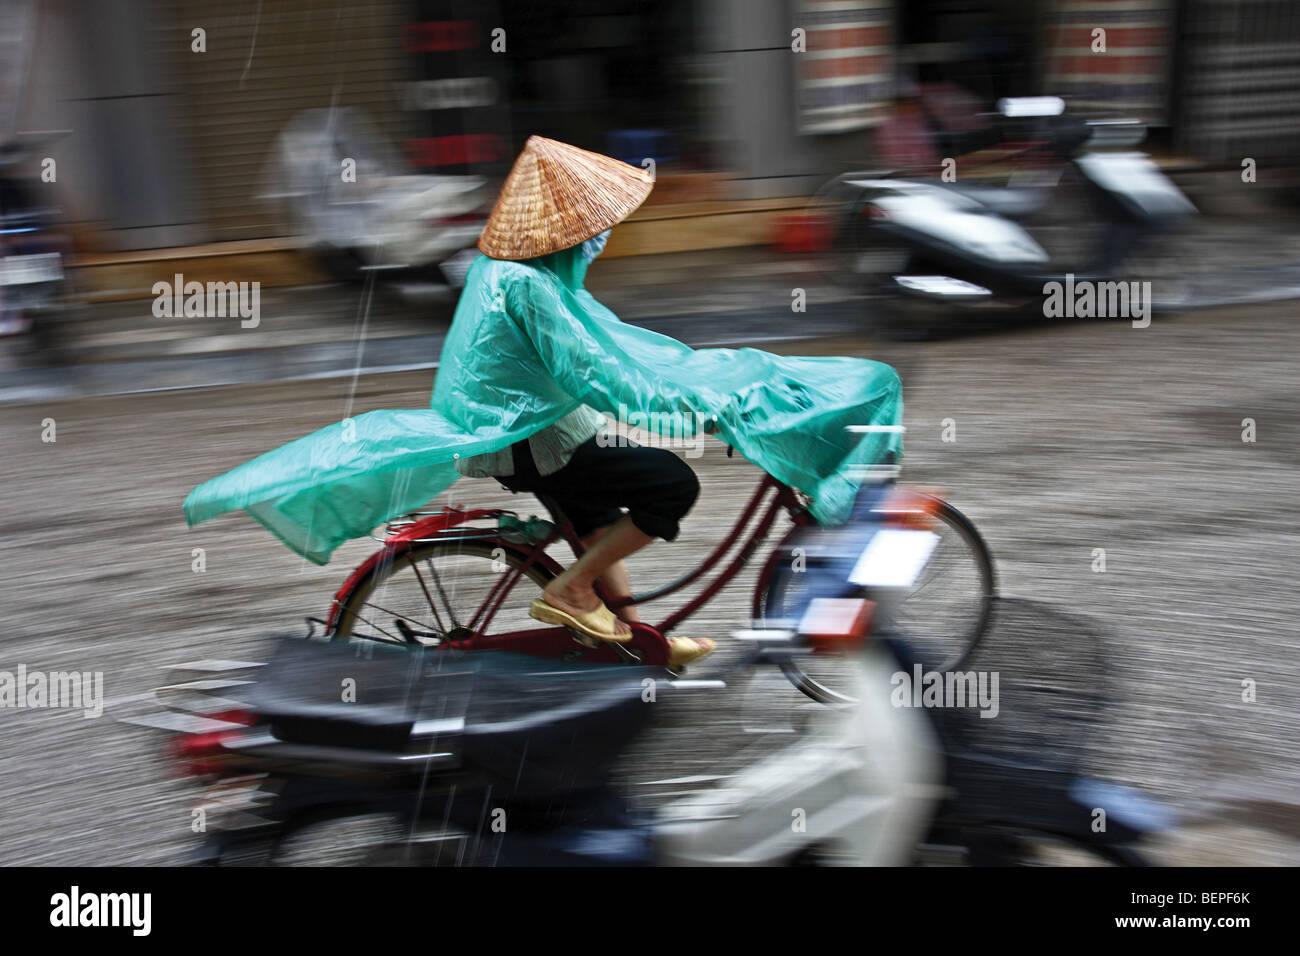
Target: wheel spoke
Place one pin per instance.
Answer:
(429, 597)
(437, 580)
(396, 615)
(429, 580)
(377, 627)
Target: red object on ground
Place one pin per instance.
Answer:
(804, 232)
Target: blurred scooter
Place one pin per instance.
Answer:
(938, 250)
(488, 758)
(33, 248)
(345, 195)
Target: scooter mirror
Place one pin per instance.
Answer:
(1017, 106)
(1116, 133)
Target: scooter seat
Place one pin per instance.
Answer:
(534, 725)
(551, 729)
(328, 694)
(1014, 202)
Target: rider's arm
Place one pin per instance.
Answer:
(581, 356)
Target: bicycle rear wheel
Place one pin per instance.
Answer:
(943, 615)
(432, 589)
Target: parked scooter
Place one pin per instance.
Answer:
(490, 758)
(33, 248)
(357, 212)
(943, 250)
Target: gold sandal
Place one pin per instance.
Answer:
(599, 622)
(684, 650)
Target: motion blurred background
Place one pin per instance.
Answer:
(343, 156)
(161, 146)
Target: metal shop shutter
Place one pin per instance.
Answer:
(264, 63)
(1241, 81)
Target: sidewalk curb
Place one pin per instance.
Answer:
(651, 230)
(282, 261)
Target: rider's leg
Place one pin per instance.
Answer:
(655, 486)
(616, 582)
(571, 590)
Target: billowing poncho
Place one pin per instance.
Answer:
(527, 345)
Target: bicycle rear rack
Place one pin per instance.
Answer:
(402, 522)
(531, 531)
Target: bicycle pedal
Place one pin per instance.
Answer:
(595, 644)
(586, 640)
(629, 656)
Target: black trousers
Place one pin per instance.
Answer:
(655, 486)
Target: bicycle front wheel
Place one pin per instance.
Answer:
(943, 616)
(432, 590)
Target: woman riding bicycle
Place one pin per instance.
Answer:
(530, 359)
(554, 215)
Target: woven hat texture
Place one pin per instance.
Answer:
(558, 195)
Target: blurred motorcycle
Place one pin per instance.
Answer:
(33, 248)
(489, 758)
(939, 250)
(344, 193)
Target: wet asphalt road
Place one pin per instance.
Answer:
(1068, 439)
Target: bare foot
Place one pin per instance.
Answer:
(577, 600)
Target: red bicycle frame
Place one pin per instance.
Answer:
(769, 498)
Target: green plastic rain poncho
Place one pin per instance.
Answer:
(528, 344)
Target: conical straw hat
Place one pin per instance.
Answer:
(558, 195)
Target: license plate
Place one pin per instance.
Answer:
(893, 558)
(27, 270)
(454, 269)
